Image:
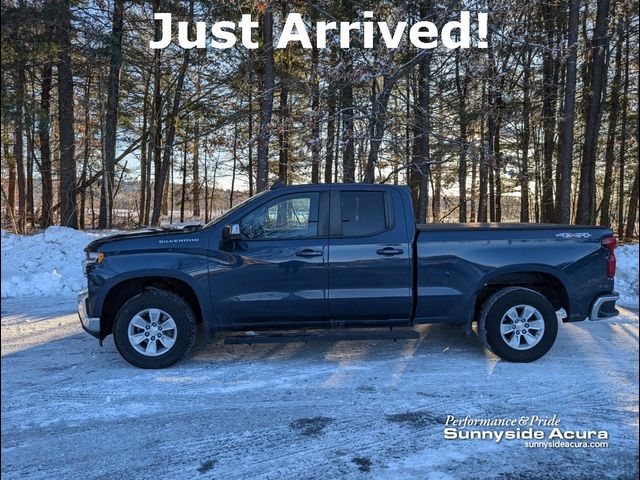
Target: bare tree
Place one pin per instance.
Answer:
(111, 121)
(585, 213)
(266, 99)
(68, 205)
(167, 151)
(565, 160)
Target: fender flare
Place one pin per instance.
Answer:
(201, 293)
(557, 274)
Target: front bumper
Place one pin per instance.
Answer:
(91, 325)
(604, 306)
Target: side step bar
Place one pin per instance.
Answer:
(331, 336)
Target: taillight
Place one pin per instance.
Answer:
(610, 244)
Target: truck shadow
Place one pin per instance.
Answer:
(433, 340)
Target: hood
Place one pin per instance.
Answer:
(145, 232)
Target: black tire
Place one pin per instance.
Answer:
(175, 306)
(497, 306)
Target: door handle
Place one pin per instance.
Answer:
(307, 252)
(389, 251)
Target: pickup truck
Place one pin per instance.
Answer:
(343, 255)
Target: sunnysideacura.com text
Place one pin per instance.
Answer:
(535, 431)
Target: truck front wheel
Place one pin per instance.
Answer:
(154, 329)
(518, 324)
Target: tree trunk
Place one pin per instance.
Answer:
(632, 212)
(283, 134)
(266, 100)
(235, 163)
(491, 167)
(526, 138)
(206, 184)
(86, 145)
(424, 99)
(498, 161)
(331, 122)
(565, 159)
(143, 153)
(250, 134)
(492, 131)
(549, 94)
(336, 151)
(482, 194)
(472, 200)
(316, 144)
(44, 124)
(155, 130)
(111, 123)
(437, 192)
(183, 191)
(348, 154)
(161, 180)
(195, 186)
(30, 131)
(462, 89)
(633, 201)
(609, 157)
(7, 156)
(585, 213)
(68, 205)
(18, 146)
(623, 137)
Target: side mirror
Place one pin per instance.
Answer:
(231, 232)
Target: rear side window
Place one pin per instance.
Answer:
(363, 213)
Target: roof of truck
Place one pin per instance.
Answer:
(333, 186)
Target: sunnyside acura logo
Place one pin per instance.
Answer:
(179, 240)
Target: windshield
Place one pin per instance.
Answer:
(230, 212)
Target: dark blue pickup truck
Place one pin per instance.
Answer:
(327, 256)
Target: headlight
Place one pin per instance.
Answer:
(95, 257)
(92, 258)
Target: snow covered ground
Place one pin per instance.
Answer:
(333, 409)
(49, 264)
(627, 275)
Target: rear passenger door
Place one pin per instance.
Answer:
(369, 257)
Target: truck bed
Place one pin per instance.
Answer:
(455, 260)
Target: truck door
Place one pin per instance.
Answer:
(279, 271)
(369, 257)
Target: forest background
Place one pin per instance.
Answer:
(100, 131)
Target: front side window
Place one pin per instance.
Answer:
(292, 216)
(363, 213)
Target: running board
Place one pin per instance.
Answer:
(334, 336)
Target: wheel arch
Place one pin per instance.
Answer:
(120, 292)
(548, 282)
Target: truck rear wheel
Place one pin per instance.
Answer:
(518, 324)
(154, 329)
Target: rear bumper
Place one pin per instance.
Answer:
(604, 306)
(91, 325)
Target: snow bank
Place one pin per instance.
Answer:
(48, 263)
(627, 275)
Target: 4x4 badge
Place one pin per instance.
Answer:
(573, 235)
